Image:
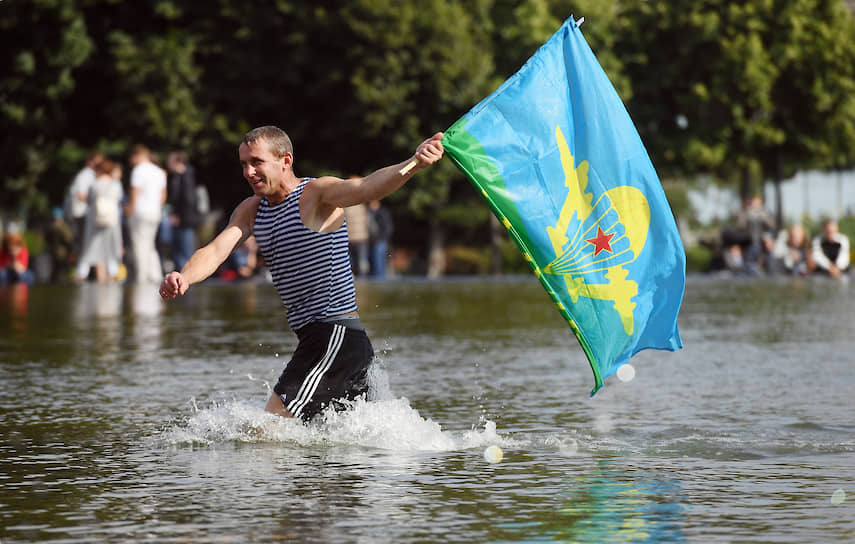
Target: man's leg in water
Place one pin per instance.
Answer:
(329, 365)
(275, 406)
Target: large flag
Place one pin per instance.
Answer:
(555, 155)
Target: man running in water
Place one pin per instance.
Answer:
(299, 226)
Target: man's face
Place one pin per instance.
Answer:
(261, 168)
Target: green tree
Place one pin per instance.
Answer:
(748, 90)
(357, 85)
(43, 44)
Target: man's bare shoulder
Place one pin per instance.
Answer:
(330, 191)
(250, 201)
(316, 190)
(317, 186)
(316, 210)
(244, 213)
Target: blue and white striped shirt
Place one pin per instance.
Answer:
(311, 270)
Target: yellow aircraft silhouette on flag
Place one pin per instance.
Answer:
(574, 260)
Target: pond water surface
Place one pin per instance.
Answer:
(126, 419)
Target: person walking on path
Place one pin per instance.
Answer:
(301, 233)
(144, 209)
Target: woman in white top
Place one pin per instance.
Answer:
(102, 246)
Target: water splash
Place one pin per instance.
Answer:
(381, 421)
(383, 424)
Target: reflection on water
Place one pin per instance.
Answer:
(620, 505)
(127, 419)
(13, 301)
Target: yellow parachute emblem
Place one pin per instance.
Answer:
(572, 263)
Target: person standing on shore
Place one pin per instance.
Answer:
(103, 247)
(301, 232)
(357, 237)
(381, 227)
(184, 215)
(77, 201)
(148, 194)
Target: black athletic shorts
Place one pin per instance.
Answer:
(330, 363)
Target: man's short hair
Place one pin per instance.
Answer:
(278, 142)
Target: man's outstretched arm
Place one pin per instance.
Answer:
(205, 260)
(341, 193)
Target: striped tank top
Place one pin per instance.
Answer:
(311, 270)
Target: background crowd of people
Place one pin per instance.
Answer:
(754, 248)
(369, 229)
(104, 233)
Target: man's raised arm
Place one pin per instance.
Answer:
(340, 193)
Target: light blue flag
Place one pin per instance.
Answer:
(555, 155)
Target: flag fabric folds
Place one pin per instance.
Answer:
(555, 154)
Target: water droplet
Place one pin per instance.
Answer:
(838, 497)
(493, 454)
(626, 373)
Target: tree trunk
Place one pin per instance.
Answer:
(436, 250)
(779, 203)
(745, 192)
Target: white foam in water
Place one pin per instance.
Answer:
(381, 422)
(603, 423)
(566, 446)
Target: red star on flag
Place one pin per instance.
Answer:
(602, 242)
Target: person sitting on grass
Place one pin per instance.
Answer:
(15, 260)
(831, 250)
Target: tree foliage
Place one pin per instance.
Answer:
(750, 90)
(744, 89)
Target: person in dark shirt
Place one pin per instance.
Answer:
(182, 199)
(380, 229)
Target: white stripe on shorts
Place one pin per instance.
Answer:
(313, 378)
